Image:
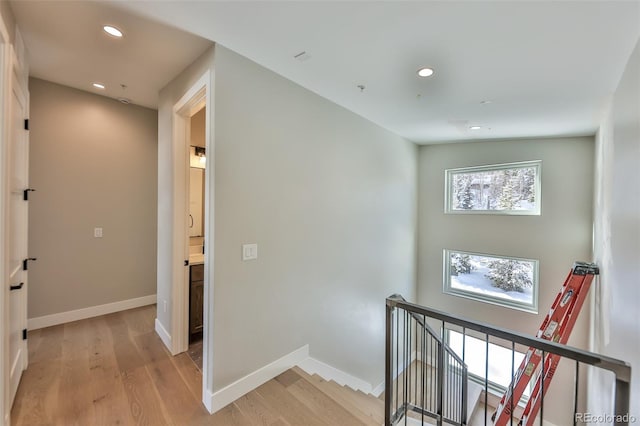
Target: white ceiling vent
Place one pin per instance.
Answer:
(302, 56)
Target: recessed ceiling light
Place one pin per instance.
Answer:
(98, 85)
(425, 72)
(485, 102)
(475, 128)
(113, 31)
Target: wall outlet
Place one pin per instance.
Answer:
(249, 251)
(164, 306)
(97, 232)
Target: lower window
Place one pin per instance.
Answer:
(505, 281)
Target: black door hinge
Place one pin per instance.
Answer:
(25, 263)
(186, 263)
(26, 124)
(24, 334)
(16, 287)
(25, 195)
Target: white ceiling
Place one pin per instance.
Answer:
(66, 45)
(547, 67)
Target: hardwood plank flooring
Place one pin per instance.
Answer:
(114, 370)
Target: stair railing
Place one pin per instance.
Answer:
(426, 381)
(424, 378)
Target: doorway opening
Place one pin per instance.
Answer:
(193, 227)
(197, 213)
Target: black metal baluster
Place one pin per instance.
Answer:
(415, 369)
(575, 393)
(513, 361)
(388, 368)
(486, 377)
(423, 350)
(407, 342)
(397, 396)
(542, 389)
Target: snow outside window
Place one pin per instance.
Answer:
(507, 281)
(512, 188)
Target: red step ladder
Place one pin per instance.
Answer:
(557, 327)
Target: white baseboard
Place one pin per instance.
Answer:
(90, 312)
(164, 335)
(327, 372)
(377, 391)
(240, 387)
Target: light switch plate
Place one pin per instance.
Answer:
(97, 232)
(249, 251)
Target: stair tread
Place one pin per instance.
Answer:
(363, 406)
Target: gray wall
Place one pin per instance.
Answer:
(557, 238)
(7, 17)
(329, 198)
(93, 163)
(198, 128)
(616, 323)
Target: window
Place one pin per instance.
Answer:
(499, 366)
(512, 188)
(506, 281)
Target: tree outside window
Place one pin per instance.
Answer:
(512, 188)
(501, 280)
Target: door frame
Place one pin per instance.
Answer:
(199, 95)
(5, 90)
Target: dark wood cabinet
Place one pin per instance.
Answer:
(196, 300)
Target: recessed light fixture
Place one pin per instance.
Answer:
(425, 72)
(98, 86)
(475, 128)
(485, 102)
(112, 31)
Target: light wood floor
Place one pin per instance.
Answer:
(114, 370)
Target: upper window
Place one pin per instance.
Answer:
(512, 188)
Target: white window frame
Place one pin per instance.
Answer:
(449, 192)
(495, 300)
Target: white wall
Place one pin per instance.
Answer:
(330, 199)
(557, 238)
(616, 322)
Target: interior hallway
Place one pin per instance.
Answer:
(114, 370)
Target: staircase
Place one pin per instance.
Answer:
(366, 408)
(428, 383)
(334, 403)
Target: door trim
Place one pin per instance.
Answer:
(199, 95)
(5, 50)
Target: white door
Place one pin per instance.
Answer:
(18, 151)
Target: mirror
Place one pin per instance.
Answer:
(196, 191)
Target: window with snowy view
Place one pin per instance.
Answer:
(512, 188)
(506, 281)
